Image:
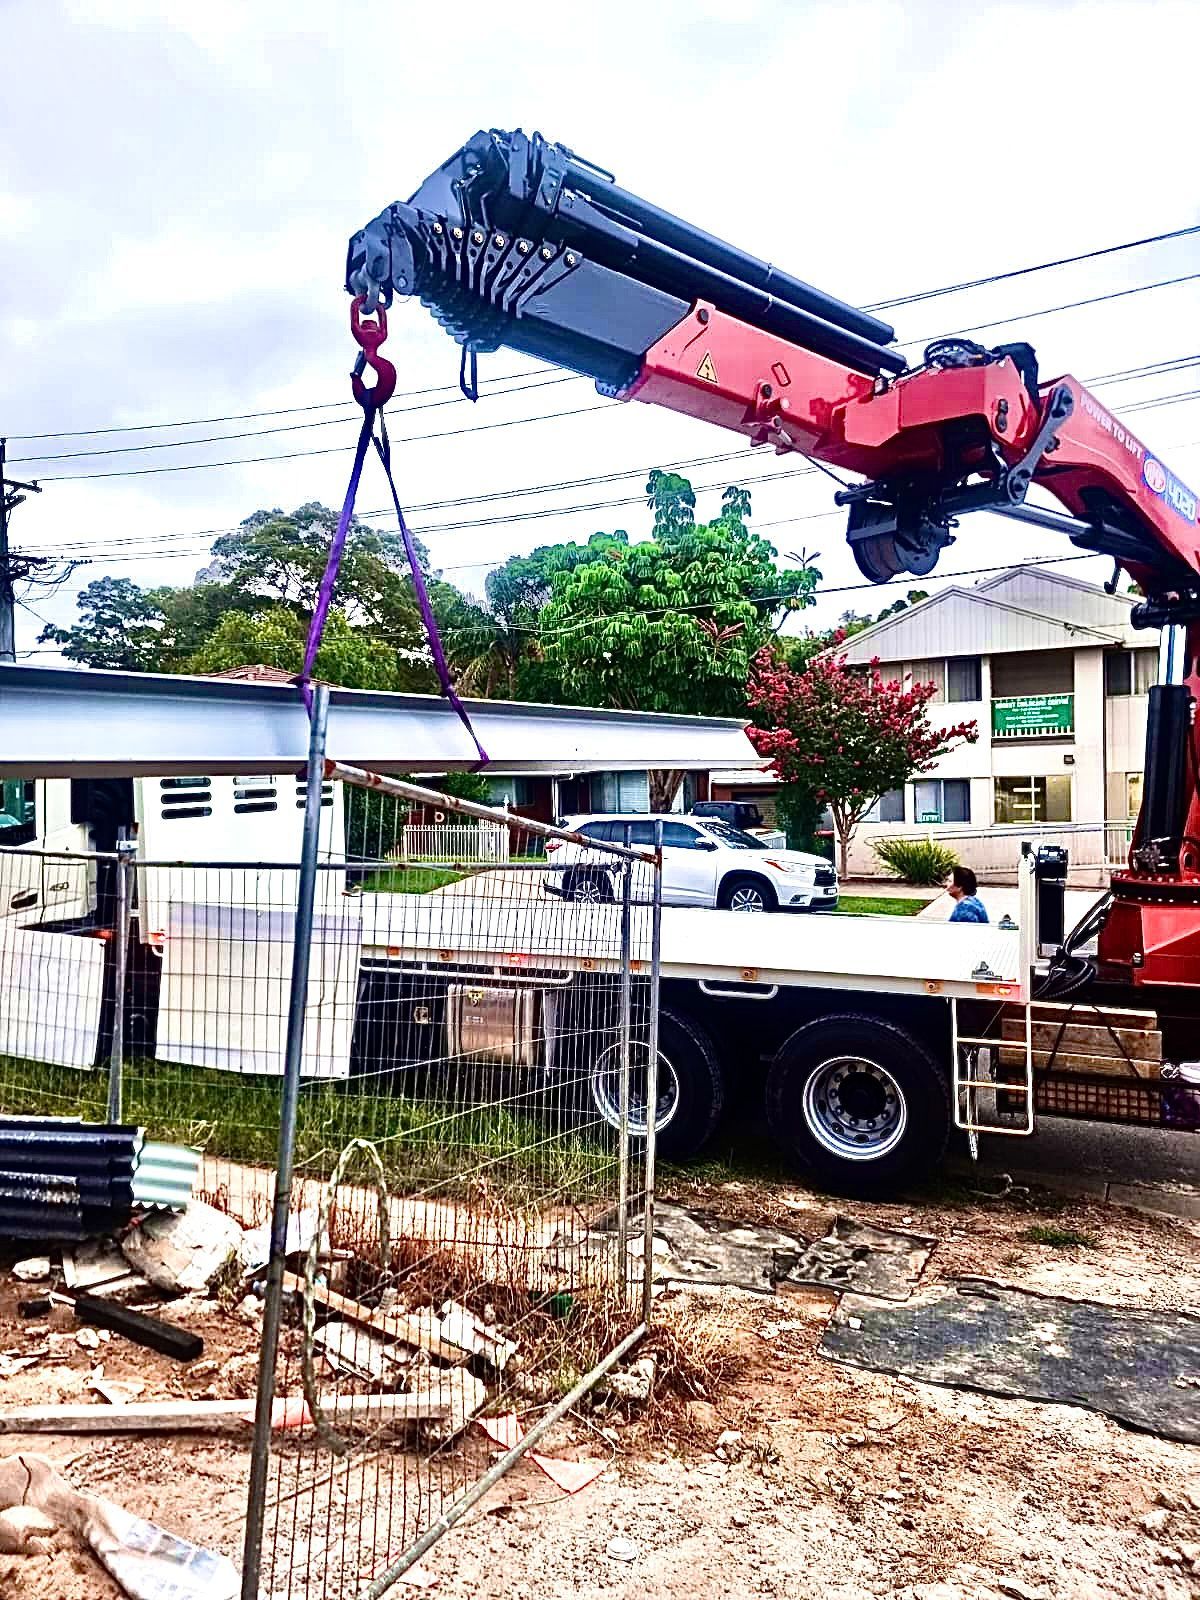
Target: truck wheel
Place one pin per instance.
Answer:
(589, 888)
(859, 1103)
(741, 892)
(691, 1091)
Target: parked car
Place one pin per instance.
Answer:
(705, 863)
(737, 813)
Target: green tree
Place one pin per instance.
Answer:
(671, 623)
(254, 600)
(120, 626)
(276, 636)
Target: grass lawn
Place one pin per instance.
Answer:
(410, 880)
(879, 905)
(442, 1129)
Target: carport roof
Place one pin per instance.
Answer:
(57, 722)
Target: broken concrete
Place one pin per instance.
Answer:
(182, 1252)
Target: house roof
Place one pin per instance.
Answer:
(258, 673)
(1025, 608)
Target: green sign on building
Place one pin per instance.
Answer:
(1028, 716)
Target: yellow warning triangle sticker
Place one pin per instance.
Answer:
(706, 370)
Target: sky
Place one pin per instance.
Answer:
(177, 186)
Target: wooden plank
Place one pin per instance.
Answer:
(1094, 1016)
(178, 1416)
(392, 1324)
(1012, 1059)
(156, 1334)
(1082, 1039)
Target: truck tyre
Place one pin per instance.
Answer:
(691, 1090)
(588, 887)
(859, 1103)
(742, 891)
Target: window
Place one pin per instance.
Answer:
(512, 791)
(1025, 672)
(182, 798)
(621, 791)
(1129, 672)
(17, 811)
(253, 794)
(942, 800)
(679, 835)
(1118, 673)
(911, 673)
(888, 808)
(1034, 799)
(964, 678)
(891, 806)
(1124, 795)
(604, 831)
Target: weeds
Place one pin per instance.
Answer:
(1060, 1238)
(426, 1144)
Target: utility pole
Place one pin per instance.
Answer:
(12, 494)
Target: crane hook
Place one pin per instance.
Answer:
(369, 336)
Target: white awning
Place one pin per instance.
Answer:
(77, 723)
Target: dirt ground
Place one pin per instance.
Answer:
(843, 1485)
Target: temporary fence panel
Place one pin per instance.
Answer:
(484, 1047)
(250, 823)
(51, 990)
(493, 1232)
(224, 986)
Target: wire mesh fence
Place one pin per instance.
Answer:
(473, 1147)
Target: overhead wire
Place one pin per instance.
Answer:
(878, 305)
(384, 636)
(159, 546)
(1022, 272)
(1050, 311)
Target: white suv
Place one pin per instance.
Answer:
(705, 863)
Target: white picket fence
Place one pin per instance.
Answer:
(485, 842)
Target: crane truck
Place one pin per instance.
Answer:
(868, 1044)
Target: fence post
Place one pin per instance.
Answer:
(652, 1077)
(126, 853)
(626, 1025)
(256, 1496)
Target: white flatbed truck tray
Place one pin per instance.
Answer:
(821, 950)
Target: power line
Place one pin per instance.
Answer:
(328, 450)
(294, 427)
(206, 466)
(1021, 272)
(1050, 311)
(879, 305)
(159, 544)
(1161, 400)
(250, 416)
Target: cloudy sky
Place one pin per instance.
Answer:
(178, 184)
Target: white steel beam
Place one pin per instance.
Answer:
(77, 723)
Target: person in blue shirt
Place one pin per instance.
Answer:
(961, 886)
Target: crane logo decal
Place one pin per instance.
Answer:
(706, 370)
(1168, 487)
